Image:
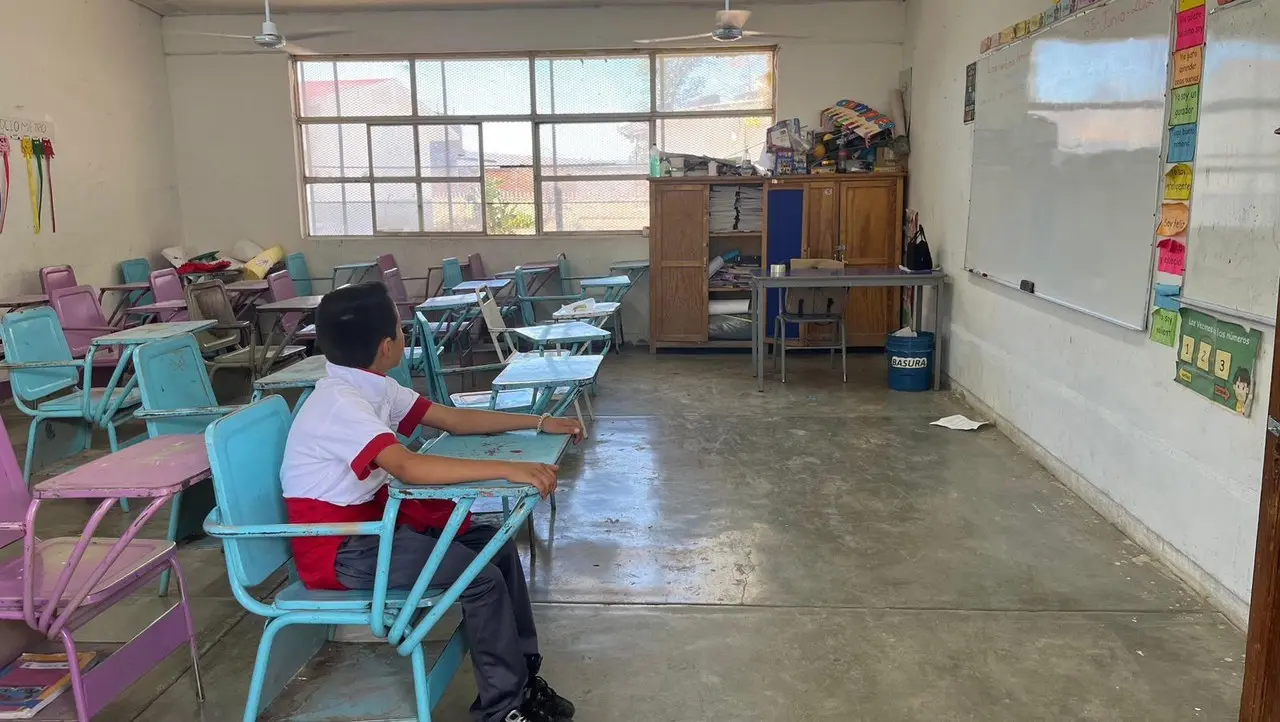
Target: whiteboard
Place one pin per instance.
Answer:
(1233, 245)
(1067, 160)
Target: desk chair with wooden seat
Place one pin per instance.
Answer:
(812, 307)
(232, 343)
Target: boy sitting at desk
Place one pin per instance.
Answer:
(341, 453)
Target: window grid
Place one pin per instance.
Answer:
(536, 121)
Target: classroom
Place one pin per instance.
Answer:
(894, 360)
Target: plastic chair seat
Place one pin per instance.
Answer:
(297, 598)
(74, 401)
(52, 555)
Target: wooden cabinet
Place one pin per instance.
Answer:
(859, 216)
(678, 263)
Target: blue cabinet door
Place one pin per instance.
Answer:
(786, 236)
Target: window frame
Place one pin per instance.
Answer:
(535, 118)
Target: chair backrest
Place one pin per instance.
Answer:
(452, 271)
(167, 286)
(54, 277)
(172, 376)
(246, 450)
(78, 308)
(394, 281)
(437, 389)
(386, 262)
(208, 301)
(522, 296)
(137, 270)
(566, 286)
(280, 287)
(493, 320)
(475, 268)
(32, 336)
(296, 265)
(814, 301)
(14, 496)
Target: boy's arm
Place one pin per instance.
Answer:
(464, 422)
(430, 470)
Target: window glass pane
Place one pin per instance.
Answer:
(594, 148)
(393, 151)
(373, 88)
(397, 207)
(339, 209)
(486, 87)
(335, 151)
(508, 198)
(593, 85)
(735, 81)
(728, 138)
(621, 205)
(449, 151)
(317, 91)
(429, 75)
(451, 207)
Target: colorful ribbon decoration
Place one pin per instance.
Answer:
(48, 162)
(27, 151)
(37, 149)
(4, 194)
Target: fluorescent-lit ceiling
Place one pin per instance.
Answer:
(227, 7)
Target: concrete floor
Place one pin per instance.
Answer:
(817, 552)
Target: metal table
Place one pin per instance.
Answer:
(558, 334)
(546, 374)
(850, 277)
(244, 294)
(129, 292)
(494, 284)
(128, 340)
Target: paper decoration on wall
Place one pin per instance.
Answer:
(1164, 327)
(48, 176)
(1185, 5)
(1224, 4)
(1174, 218)
(1182, 143)
(28, 155)
(34, 140)
(4, 192)
(1217, 359)
(1190, 28)
(970, 93)
(1177, 183)
(1185, 105)
(1167, 296)
(1188, 66)
(1173, 256)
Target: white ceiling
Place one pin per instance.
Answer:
(227, 7)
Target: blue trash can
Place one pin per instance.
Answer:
(910, 362)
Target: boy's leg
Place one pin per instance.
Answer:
(501, 669)
(507, 561)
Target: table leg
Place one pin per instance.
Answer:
(937, 337)
(758, 295)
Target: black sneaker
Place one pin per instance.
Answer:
(540, 696)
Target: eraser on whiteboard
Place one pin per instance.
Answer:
(1027, 286)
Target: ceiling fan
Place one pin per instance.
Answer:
(272, 39)
(729, 28)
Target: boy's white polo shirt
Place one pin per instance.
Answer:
(350, 418)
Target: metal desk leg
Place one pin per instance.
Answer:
(937, 337)
(758, 294)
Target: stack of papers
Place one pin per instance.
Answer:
(586, 305)
(722, 206)
(750, 209)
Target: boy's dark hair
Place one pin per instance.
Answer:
(1242, 374)
(352, 321)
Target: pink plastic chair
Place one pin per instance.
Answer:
(166, 284)
(280, 286)
(57, 585)
(82, 320)
(53, 278)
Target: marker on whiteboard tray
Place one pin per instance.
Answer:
(1027, 286)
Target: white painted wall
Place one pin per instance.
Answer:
(233, 119)
(98, 73)
(1178, 473)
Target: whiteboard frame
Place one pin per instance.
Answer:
(1156, 182)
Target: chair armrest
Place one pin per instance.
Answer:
(92, 329)
(183, 413)
(415, 278)
(470, 369)
(238, 326)
(578, 297)
(75, 363)
(213, 528)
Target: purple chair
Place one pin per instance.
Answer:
(475, 268)
(166, 284)
(82, 319)
(53, 278)
(396, 289)
(280, 287)
(57, 585)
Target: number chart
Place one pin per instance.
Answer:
(1216, 359)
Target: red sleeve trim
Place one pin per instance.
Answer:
(365, 463)
(412, 419)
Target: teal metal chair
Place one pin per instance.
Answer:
(137, 270)
(246, 450)
(46, 385)
(177, 398)
(451, 270)
(296, 264)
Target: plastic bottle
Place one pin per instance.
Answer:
(655, 162)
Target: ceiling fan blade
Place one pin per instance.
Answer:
(757, 34)
(293, 49)
(732, 18)
(213, 35)
(323, 33)
(700, 36)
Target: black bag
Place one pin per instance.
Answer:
(918, 257)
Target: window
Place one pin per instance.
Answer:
(515, 145)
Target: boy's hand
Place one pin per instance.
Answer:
(542, 476)
(564, 427)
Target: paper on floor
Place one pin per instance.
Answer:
(960, 423)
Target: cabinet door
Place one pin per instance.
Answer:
(821, 212)
(871, 231)
(679, 264)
